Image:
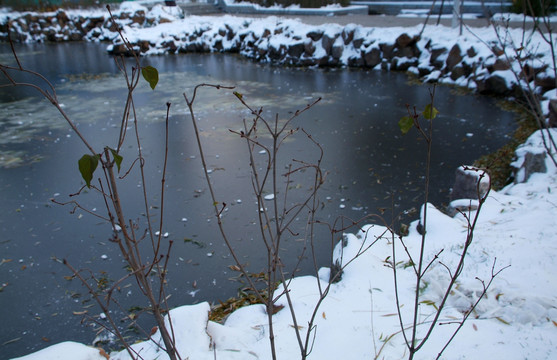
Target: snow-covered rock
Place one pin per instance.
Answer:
(532, 156)
(438, 54)
(68, 350)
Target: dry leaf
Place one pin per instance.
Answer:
(104, 354)
(234, 268)
(80, 312)
(324, 317)
(277, 308)
(11, 341)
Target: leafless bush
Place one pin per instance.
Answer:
(279, 211)
(533, 73)
(415, 338)
(147, 264)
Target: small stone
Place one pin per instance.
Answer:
(327, 43)
(454, 57)
(471, 52)
(466, 184)
(403, 40)
(534, 162)
(372, 58)
(315, 35)
(552, 121)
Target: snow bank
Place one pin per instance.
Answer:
(439, 54)
(67, 351)
(189, 324)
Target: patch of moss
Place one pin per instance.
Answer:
(246, 296)
(220, 311)
(498, 162)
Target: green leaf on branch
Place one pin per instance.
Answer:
(430, 112)
(238, 95)
(151, 75)
(87, 165)
(117, 158)
(405, 124)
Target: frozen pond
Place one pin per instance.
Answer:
(372, 168)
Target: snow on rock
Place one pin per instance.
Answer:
(439, 54)
(532, 155)
(131, 7)
(67, 351)
(160, 14)
(470, 183)
(189, 324)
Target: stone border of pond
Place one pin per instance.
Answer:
(321, 46)
(465, 62)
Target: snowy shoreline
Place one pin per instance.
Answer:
(518, 317)
(475, 60)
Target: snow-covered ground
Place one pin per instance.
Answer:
(517, 319)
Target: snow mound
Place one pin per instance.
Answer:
(68, 350)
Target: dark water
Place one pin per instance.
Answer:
(371, 167)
